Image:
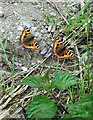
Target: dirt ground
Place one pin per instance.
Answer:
(18, 15)
(14, 17)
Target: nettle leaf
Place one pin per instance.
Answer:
(37, 81)
(82, 109)
(32, 81)
(63, 80)
(41, 107)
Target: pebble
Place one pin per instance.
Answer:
(42, 9)
(53, 29)
(17, 37)
(1, 14)
(46, 26)
(53, 14)
(11, 34)
(34, 29)
(3, 31)
(38, 61)
(33, 62)
(16, 64)
(20, 28)
(15, 4)
(29, 56)
(11, 1)
(43, 51)
(26, 24)
(43, 31)
(37, 34)
(24, 68)
(43, 24)
(49, 28)
(47, 54)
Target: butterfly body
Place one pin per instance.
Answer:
(27, 39)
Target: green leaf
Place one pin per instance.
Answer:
(48, 18)
(33, 81)
(82, 109)
(3, 89)
(63, 80)
(38, 81)
(41, 107)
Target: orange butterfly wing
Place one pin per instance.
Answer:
(60, 50)
(28, 39)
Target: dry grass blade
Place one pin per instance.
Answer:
(57, 9)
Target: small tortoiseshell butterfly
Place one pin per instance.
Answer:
(61, 51)
(28, 39)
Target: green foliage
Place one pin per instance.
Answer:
(42, 82)
(41, 107)
(79, 22)
(63, 80)
(52, 20)
(3, 89)
(80, 17)
(4, 46)
(82, 109)
(48, 18)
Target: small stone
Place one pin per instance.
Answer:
(17, 38)
(38, 61)
(16, 64)
(2, 31)
(53, 14)
(48, 54)
(1, 14)
(26, 24)
(49, 28)
(46, 26)
(53, 29)
(37, 34)
(11, 34)
(15, 4)
(18, 18)
(11, 1)
(38, 6)
(42, 9)
(43, 31)
(29, 56)
(43, 51)
(20, 28)
(33, 62)
(24, 68)
(34, 29)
